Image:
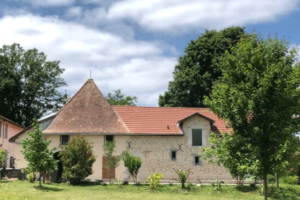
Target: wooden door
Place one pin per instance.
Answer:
(105, 172)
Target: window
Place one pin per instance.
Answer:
(109, 138)
(5, 130)
(64, 139)
(196, 137)
(0, 128)
(173, 155)
(197, 160)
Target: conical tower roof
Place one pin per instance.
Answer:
(87, 112)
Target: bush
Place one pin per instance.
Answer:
(291, 180)
(132, 164)
(154, 180)
(77, 159)
(125, 183)
(30, 177)
(182, 176)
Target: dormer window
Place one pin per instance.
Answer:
(197, 137)
(65, 139)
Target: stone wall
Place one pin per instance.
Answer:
(12, 173)
(155, 152)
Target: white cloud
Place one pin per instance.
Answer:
(45, 3)
(137, 67)
(74, 12)
(183, 15)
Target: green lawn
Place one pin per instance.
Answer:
(25, 190)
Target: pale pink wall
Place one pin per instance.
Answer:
(6, 145)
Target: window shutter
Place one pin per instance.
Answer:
(196, 137)
(0, 128)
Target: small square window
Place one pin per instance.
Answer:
(197, 160)
(173, 155)
(65, 139)
(109, 138)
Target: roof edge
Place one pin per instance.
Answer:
(12, 139)
(196, 114)
(12, 122)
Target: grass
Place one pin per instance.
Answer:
(30, 191)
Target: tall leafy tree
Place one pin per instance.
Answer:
(111, 161)
(77, 158)
(36, 152)
(28, 84)
(259, 95)
(198, 68)
(117, 98)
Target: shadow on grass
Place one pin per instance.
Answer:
(243, 188)
(46, 189)
(287, 193)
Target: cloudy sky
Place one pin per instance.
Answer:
(133, 45)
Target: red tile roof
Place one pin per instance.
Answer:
(87, 112)
(163, 120)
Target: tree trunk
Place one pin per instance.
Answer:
(40, 179)
(265, 187)
(277, 180)
(182, 185)
(110, 175)
(44, 177)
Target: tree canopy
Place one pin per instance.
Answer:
(258, 95)
(117, 98)
(28, 84)
(36, 151)
(198, 68)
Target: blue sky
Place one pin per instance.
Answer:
(133, 45)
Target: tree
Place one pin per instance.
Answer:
(133, 164)
(258, 95)
(198, 68)
(2, 158)
(111, 161)
(77, 158)
(39, 157)
(230, 152)
(117, 98)
(28, 84)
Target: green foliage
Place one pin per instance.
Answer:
(36, 151)
(28, 84)
(291, 180)
(258, 94)
(217, 185)
(132, 163)
(224, 151)
(117, 98)
(77, 158)
(154, 180)
(182, 176)
(198, 68)
(3, 157)
(30, 177)
(111, 161)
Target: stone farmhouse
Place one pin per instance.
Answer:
(164, 138)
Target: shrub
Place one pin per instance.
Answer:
(77, 159)
(154, 180)
(30, 177)
(182, 176)
(3, 157)
(291, 180)
(217, 185)
(125, 183)
(132, 164)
